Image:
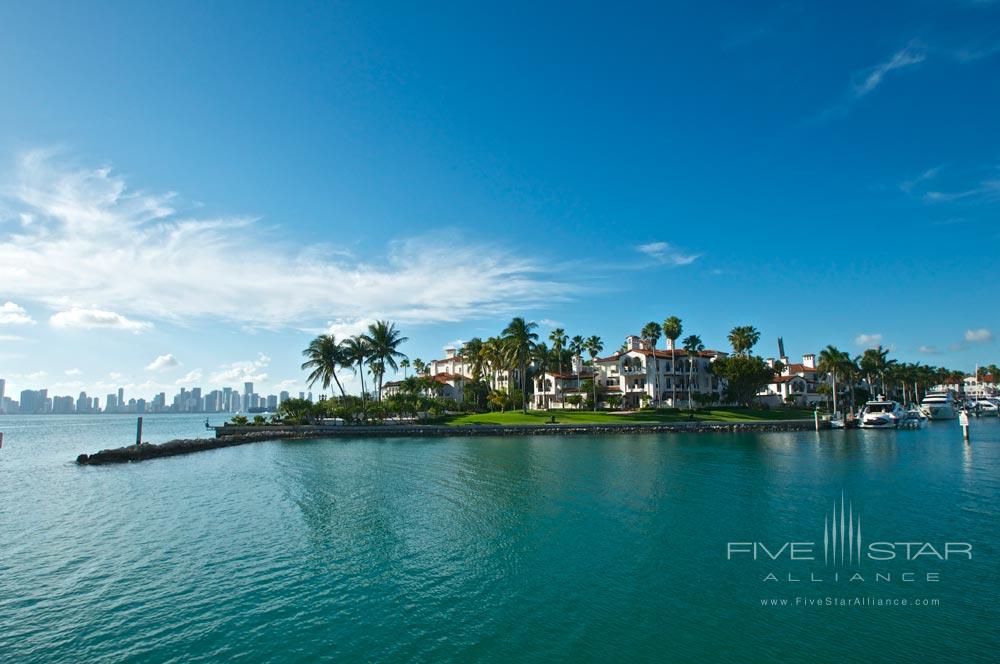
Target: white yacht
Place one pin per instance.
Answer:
(882, 413)
(940, 405)
(986, 406)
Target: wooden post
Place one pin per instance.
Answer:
(1, 440)
(816, 417)
(138, 432)
(963, 421)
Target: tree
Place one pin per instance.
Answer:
(404, 364)
(419, 366)
(324, 356)
(743, 338)
(384, 340)
(831, 362)
(594, 345)
(651, 332)
(744, 376)
(357, 355)
(472, 355)
(559, 340)
(521, 338)
(672, 329)
(693, 346)
(875, 362)
(540, 358)
(576, 348)
(296, 411)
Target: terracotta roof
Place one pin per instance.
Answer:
(444, 377)
(679, 354)
(799, 368)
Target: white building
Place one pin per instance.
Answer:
(798, 383)
(636, 371)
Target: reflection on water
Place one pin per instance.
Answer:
(474, 549)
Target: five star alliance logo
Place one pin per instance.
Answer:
(845, 546)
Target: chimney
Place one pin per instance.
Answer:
(809, 360)
(770, 362)
(577, 363)
(449, 353)
(633, 342)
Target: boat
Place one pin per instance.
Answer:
(988, 406)
(940, 405)
(913, 419)
(882, 413)
(837, 421)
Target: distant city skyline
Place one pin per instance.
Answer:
(591, 169)
(226, 400)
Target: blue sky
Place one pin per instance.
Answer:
(219, 183)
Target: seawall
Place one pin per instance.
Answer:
(229, 436)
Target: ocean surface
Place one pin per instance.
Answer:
(545, 549)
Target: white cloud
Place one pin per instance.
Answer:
(244, 371)
(191, 377)
(290, 384)
(89, 319)
(11, 337)
(987, 190)
(116, 375)
(456, 344)
(664, 253)
(163, 362)
(874, 76)
(929, 350)
(73, 372)
(868, 340)
(12, 314)
(978, 336)
(549, 323)
(91, 238)
(929, 174)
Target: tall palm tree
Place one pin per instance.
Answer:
(324, 356)
(521, 337)
(576, 348)
(384, 340)
(541, 356)
(594, 346)
(559, 340)
(404, 364)
(831, 360)
(672, 329)
(743, 338)
(473, 357)
(651, 332)
(693, 346)
(357, 351)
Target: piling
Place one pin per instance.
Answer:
(963, 421)
(138, 432)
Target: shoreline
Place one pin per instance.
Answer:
(231, 436)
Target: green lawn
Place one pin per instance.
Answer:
(589, 417)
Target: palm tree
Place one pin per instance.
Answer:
(875, 361)
(473, 357)
(743, 338)
(357, 352)
(404, 364)
(693, 346)
(651, 332)
(576, 348)
(384, 340)
(520, 337)
(672, 329)
(325, 355)
(831, 360)
(540, 358)
(559, 340)
(593, 345)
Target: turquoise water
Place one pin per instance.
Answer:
(478, 549)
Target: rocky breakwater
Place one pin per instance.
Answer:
(229, 436)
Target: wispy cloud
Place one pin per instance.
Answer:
(909, 184)
(928, 350)
(982, 335)
(90, 318)
(666, 254)
(73, 372)
(868, 80)
(86, 236)
(163, 362)
(985, 190)
(243, 371)
(190, 377)
(868, 340)
(13, 314)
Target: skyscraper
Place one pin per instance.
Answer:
(3, 386)
(121, 398)
(247, 395)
